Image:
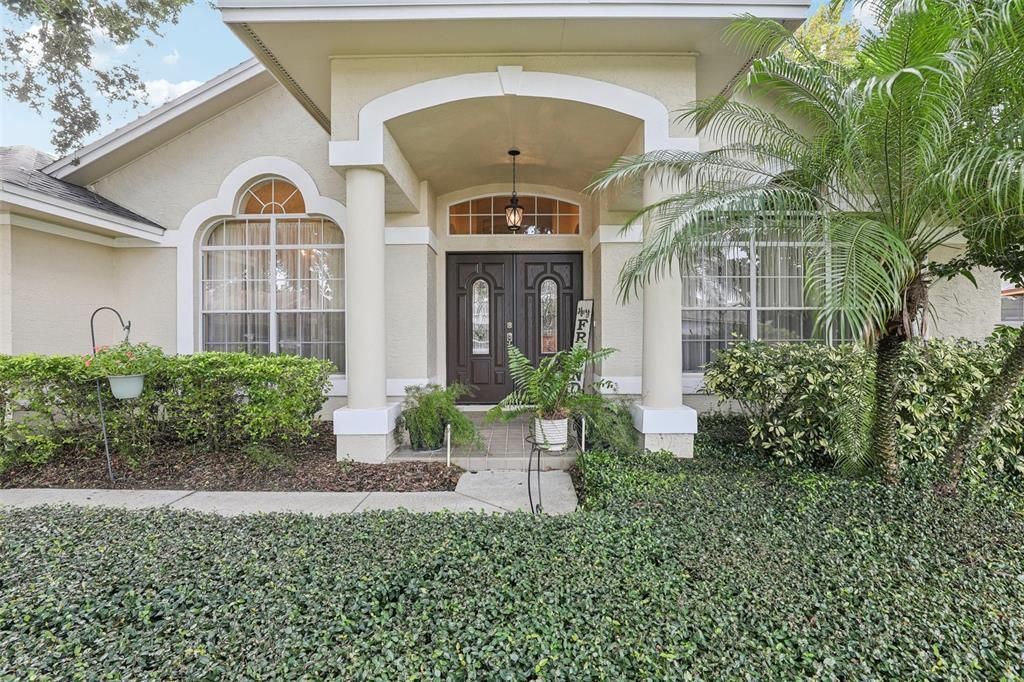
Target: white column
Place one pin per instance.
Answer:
(662, 382)
(365, 427)
(364, 284)
(661, 418)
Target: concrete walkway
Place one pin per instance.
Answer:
(486, 491)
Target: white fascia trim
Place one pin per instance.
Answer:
(624, 385)
(410, 236)
(223, 205)
(366, 422)
(616, 234)
(125, 135)
(672, 420)
(505, 80)
(66, 210)
(255, 11)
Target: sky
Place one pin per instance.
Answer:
(198, 48)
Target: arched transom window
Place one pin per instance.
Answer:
(541, 215)
(273, 278)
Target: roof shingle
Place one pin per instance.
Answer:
(21, 166)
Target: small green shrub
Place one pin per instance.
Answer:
(610, 425)
(799, 400)
(48, 404)
(426, 412)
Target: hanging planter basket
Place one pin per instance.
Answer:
(127, 386)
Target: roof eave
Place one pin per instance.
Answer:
(22, 197)
(81, 159)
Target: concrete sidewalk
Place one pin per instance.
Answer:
(486, 491)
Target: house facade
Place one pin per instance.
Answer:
(343, 195)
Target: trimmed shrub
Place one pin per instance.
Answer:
(48, 404)
(799, 399)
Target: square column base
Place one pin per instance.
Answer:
(366, 435)
(662, 428)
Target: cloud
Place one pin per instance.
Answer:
(33, 47)
(161, 91)
(171, 58)
(862, 13)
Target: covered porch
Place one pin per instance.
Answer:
(438, 281)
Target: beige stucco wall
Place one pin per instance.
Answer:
(145, 291)
(166, 183)
(56, 284)
(357, 81)
(6, 295)
(619, 325)
(409, 315)
(961, 309)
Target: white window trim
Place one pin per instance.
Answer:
(185, 238)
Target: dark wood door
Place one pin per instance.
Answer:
(480, 316)
(493, 298)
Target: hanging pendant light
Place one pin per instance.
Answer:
(514, 212)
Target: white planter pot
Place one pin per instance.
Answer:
(127, 386)
(551, 434)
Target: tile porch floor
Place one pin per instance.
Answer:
(504, 448)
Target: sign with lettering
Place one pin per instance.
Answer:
(584, 322)
(581, 332)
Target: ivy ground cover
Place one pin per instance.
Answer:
(708, 569)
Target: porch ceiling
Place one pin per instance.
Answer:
(465, 143)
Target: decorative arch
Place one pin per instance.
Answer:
(506, 80)
(185, 238)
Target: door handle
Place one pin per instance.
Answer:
(508, 339)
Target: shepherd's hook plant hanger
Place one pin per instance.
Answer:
(127, 328)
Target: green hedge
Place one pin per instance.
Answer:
(208, 400)
(798, 398)
(701, 572)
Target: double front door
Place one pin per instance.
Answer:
(526, 299)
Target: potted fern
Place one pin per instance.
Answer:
(550, 392)
(426, 412)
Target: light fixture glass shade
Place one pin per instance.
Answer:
(514, 216)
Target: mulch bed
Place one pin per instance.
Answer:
(307, 467)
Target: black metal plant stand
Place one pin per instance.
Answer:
(127, 327)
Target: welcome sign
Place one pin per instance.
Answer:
(581, 331)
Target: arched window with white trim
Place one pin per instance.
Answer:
(273, 278)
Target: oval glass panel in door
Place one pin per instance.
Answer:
(548, 316)
(481, 302)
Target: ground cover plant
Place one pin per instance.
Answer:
(724, 567)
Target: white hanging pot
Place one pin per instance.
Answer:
(551, 434)
(127, 386)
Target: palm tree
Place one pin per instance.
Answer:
(858, 171)
(985, 174)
